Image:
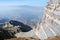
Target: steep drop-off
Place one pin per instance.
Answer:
(50, 24)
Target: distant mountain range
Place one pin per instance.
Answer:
(23, 13)
(3, 20)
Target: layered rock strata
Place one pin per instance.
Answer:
(50, 25)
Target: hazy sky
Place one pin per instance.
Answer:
(23, 2)
(6, 9)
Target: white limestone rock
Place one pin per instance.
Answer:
(50, 25)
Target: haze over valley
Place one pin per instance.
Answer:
(23, 13)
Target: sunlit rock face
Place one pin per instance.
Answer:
(50, 25)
